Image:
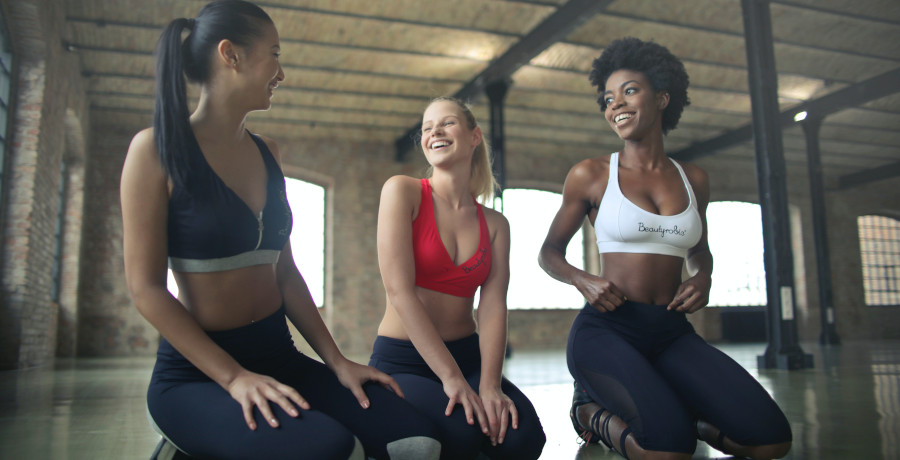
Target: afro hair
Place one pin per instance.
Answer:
(664, 71)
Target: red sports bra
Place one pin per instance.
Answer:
(435, 269)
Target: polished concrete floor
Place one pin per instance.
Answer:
(846, 407)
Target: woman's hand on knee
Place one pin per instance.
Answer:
(500, 409)
(460, 392)
(256, 390)
(353, 375)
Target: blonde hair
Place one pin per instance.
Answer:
(482, 183)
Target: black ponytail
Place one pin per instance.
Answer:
(235, 20)
(171, 119)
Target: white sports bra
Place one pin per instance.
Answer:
(622, 226)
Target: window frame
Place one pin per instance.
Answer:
(585, 242)
(7, 104)
(891, 226)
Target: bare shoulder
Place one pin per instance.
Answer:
(401, 184)
(589, 172)
(587, 180)
(496, 221)
(272, 146)
(402, 190)
(143, 157)
(144, 179)
(695, 174)
(591, 168)
(699, 182)
(143, 143)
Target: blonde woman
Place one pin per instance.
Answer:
(436, 247)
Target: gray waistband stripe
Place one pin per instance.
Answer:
(246, 259)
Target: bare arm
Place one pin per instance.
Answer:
(303, 313)
(395, 260)
(693, 293)
(576, 204)
(144, 198)
(492, 332)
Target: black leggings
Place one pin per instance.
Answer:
(424, 390)
(203, 420)
(647, 365)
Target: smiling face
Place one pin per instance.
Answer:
(264, 72)
(446, 135)
(633, 109)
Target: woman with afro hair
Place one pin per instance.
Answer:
(646, 385)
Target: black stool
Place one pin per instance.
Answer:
(165, 450)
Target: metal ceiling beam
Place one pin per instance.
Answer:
(869, 175)
(553, 29)
(852, 96)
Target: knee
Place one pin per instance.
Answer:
(680, 448)
(415, 448)
(526, 445)
(657, 455)
(462, 447)
(358, 452)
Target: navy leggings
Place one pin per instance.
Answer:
(424, 390)
(647, 365)
(204, 421)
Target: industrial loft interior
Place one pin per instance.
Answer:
(794, 115)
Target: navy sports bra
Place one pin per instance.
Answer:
(215, 230)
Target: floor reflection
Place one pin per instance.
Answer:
(847, 407)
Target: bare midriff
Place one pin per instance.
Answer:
(230, 299)
(645, 278)
(451, 315)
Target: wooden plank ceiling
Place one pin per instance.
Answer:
(363, 70)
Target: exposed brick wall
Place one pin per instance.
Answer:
(68, 295)
(47, 85)
(356, 173)
(539, 329)
(108, 322)
(853, 318)
(70, 263)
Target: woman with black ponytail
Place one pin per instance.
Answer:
(206, 197)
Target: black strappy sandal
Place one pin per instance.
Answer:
(600, 426)
(720, 437)
(580, 398)
(598, 431)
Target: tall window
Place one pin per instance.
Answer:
(529, 213)
(879, 246)
(736, 243)
(5, 95)
(307, 202)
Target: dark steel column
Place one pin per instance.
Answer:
(496, 92)
(811, 128)
(783, 351)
